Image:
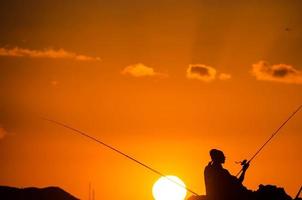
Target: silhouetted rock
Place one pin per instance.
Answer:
(271, 192)
(31, 193)
(264, 192)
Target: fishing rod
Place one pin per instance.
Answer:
(119, 152)
(298, 194)
(245, 162)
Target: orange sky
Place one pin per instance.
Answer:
(164, 81)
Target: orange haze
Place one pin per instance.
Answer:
(120, 71)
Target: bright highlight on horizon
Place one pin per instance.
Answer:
(164, 189)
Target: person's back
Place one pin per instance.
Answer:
(220, 184)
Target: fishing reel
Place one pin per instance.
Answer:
(242, 163)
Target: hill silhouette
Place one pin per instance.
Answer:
(32, 193)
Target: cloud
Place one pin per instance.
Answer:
(224, 76)
(205, 73)
(201, 72)
(45, 53)
(3, 132)
(141, 70)
(280, 73)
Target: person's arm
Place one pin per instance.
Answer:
(244, 168)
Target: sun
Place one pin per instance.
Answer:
(165, 189)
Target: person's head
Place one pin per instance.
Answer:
(217, 156)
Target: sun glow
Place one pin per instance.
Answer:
(164, 189)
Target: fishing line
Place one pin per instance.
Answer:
(270, 138)
(119, 152)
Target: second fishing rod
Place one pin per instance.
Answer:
(120, 152)
(247, 162)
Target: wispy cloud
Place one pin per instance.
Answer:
(3, 132)
(45, 53)
(224, 76)
(205, 73)
(280, 73)
(141, 70)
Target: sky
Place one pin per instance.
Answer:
(164, 81)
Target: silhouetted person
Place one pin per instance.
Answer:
(220, 184)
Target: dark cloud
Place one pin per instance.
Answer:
(205, 73)
(201, 72)
(280, 73)
(283, 71)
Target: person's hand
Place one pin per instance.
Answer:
(245, 166)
